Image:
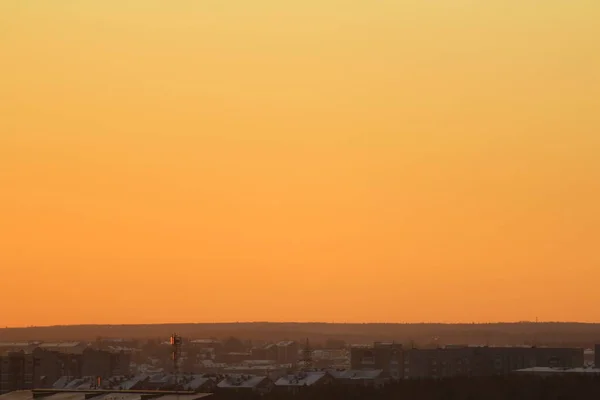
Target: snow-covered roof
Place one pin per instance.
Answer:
(241, 381)
(301, 379)
(61, 382)
(195, 383)
(125, 384)
(87, 382)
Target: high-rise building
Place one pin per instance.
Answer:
(387, 357)
(105, 364)
(287, 352)
(16, 371)
(485, 361)
(398, 363)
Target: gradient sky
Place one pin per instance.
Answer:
(329, 160)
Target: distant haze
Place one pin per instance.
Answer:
(234, 160)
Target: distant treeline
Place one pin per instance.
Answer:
(493, 388)
(525, 333)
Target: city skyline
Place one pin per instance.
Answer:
(399, 161)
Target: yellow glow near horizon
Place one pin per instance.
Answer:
(313, 161)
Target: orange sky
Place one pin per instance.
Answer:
(406, 160)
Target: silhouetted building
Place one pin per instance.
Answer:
(485, 361)
(49, 366)
(267, 352)
(597, 356)
(387, 357)
(287, 352)
(104, 364)
(233, 345)
(16, 371)
(235, 358)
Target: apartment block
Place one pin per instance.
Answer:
(16, 371)
(485, 361)
(387, 357)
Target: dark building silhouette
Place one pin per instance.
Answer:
(16, 371)
(267, 352)
(387, 357)
(287, 352)
(597, 356)
(233, 345)
(49, 366)
(449, 361)
(104, 364)
(235, 358)
(485, 361)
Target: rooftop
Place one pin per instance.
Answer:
(301, 379)
(241, 381)
(193, 382)
(551, 370)
(102, 395)
(357, 374)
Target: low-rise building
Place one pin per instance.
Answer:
(122, 383)
(197, 383)
(371, 377)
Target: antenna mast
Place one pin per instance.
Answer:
(307, 360)
(176, 355)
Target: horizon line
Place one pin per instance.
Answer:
(295, 322)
